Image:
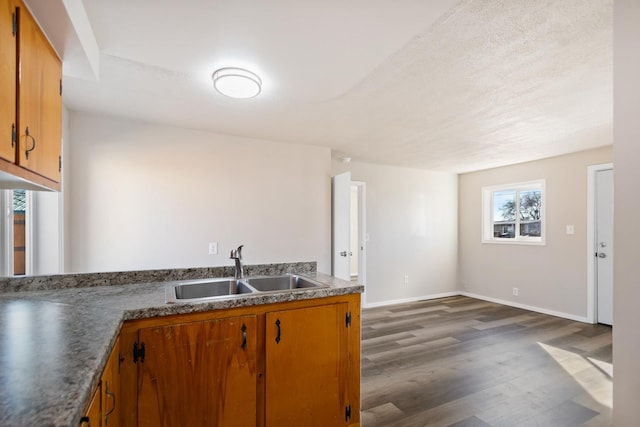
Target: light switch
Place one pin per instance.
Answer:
(569, 229)
(213, 248)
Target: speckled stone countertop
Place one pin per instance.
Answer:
(54, 340)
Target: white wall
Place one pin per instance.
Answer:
(66, 189)
(48, 223)
(626, 339)
(411, 218)
(47, 232)
(552, 277)
(145, 196)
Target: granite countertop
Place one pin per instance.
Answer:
(54, 342)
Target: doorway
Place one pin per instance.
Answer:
(15, 238)
(348, 229)
(600, 244)
(358, 232)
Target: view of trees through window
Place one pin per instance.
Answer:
(519, 210)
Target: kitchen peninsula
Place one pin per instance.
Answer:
(57, 334)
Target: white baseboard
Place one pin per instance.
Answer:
(412, 299)
(527, 307)
(480, 297)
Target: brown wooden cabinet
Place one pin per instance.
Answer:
(290, 363)
(91, 416)
(307, 365)
(199, 373)
(8, 73)
(110, 389)
(103, 410)
(31, 99)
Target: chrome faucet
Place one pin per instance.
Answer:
(236, 254)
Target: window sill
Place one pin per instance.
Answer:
(515, 242)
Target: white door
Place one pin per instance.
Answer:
(604, 242)
(340, 226)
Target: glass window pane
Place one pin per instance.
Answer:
(504, 230)
(504, 206)
(530, 205)
(19, 200)
(530, 229)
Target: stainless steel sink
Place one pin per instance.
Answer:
(281, 283)
(214, 289)
(209, 288)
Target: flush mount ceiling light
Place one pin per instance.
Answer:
(237, 82)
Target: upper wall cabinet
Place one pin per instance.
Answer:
(31, 143)
(39, 100)
(8, 73)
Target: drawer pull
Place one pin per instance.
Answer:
(278, 336)
(244, 336)
(33, 140)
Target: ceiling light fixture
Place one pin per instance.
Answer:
(236, 82)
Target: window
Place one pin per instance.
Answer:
(30, 230)
(514, 213)
(15, 206)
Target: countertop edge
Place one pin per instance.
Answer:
(17, 284)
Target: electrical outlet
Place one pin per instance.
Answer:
(406, 280)
(515, 291)
(213, 248)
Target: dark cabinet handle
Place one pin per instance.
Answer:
(278, 336)
(14, 135)
(113, 408)
(244, 336)
(33, 145)
(85, 422)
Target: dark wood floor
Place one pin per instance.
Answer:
(464, 362)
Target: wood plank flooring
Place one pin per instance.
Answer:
(464, 362)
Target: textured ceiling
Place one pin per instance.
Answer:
(443, 85)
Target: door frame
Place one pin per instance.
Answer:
(29, 233)
(6, 233)
(592, 172)
(362, 235)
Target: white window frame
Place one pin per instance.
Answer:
(487, 214)
(6, 233)
(29, 232)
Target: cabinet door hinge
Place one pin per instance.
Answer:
(14, 18)
(347, 413)
(138, 352)
(14, 134)
(348, 319)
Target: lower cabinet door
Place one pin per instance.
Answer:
(307, 367)
(110, 381)
(199, 374)
(92, 417)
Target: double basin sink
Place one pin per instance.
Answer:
(196, 290)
